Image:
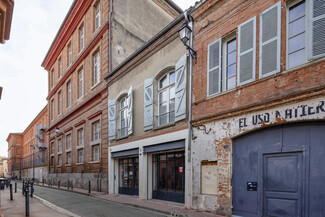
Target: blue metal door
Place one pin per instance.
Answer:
(280, 171)
(282, 184)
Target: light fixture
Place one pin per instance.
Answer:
(185, 35)
(57, 130)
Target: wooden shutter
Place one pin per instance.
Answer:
(246, 51)
(214, 67)
(111, 119)
(130, 110)
(180, 88)
(317, 24)
(270, 40)
(148, 104)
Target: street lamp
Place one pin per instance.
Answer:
(185, 35)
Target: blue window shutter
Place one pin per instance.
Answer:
(180, 88)
(317, 24)
(148, 104)
(111, 119)
(130, 111)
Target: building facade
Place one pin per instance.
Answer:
(15, 145)
(259, 108)
(6, 11)
(92, 36)
(147, 121)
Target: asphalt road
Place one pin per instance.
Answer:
(87, 206)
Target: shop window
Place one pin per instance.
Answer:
(166, 99)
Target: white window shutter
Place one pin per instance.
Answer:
(270, 40)
(317, 24)
(214, 67)
(246, 52)
(111, 119)
(148, 104)
(130, 111)
(180, 88)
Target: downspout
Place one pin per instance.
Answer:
(109, 39)
(189, 20)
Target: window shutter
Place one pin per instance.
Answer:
(317, 19)
(214, 67)
(111, 119)
(180, 88)
(148, 104)
(246, 51)
(130, 110)
(270, 40)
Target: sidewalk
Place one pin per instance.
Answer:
(168, 208)
(16, 207)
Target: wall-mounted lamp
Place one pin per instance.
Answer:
(185, 35)
(57, 130)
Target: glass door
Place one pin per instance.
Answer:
(129, 176)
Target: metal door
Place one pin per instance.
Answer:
(282, 184)
(279, 171)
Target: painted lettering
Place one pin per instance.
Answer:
(311, 110)
(320, 107)
(288, 113)
(303, 111)
(242, 122)
(277, 114)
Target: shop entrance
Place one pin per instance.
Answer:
(129, 176)
(169, 176)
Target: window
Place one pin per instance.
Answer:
(59, 145)
(296, 34)
(69, 55)
(123, 131)
(97, 15)
(80, 84)
(60, 159)
(81, 38)
(68, 141)
(60, 68)
(95, 131)
(59, 102)
(68, 157)
(80, 137)
(52, 161)
(68, 94)
(52, 78)
(52, 109)
(96, 68)
(95, 150)
(80, 155)
(166, 99)
(52, 148)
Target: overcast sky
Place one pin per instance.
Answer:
(34, 26)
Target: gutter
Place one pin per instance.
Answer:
(110, 38)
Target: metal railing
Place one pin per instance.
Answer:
(165, 118)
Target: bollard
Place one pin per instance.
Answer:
(59, 184)
(27, 202)
(89, 185)
(15, 187)
(11, 197)
(32, 189)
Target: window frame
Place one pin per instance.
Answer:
(52, 109)
(81, 37)
(78, 156)
(307, 32)
(97, 15)
(96, 68)
(124, 110)
(224, 63)
(80, 83)
(60, 67)
(69, 54)
(59, 102)
(219, 66)
(78, 137)
(68, 158)
(68, 141)
(95, 154)
(167, 89)
(93, 131)
(52, 78)
(69, 94)
(60, 145)
(60, 160)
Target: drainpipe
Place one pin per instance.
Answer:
(109, 39)
(189, 20)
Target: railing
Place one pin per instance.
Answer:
(166, 118)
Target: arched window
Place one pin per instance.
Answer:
(166, 99)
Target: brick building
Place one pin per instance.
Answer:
(28, 151)
(15, 145)
(6, 11)
(258, 109)
(3, 167)
(94, 37)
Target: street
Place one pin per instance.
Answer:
(82, 205)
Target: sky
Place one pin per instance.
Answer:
(34, 26)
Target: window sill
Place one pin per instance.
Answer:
(68, 150)
(59, 166)
(79, 163)
(94, 162)
(52, 155)
(95, 85)
(308, 63)
(80, 98)
(68, 165)
(79, 147)
(220, 94)
(96, 142)
(60, 152)
(122, 137)
(164, 126)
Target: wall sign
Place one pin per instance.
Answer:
(290, 113)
